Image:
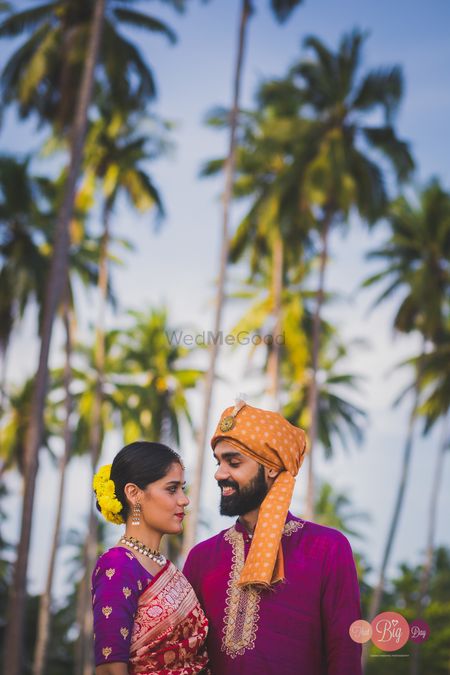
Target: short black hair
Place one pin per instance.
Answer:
(142, 463)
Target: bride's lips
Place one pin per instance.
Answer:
(180, 515)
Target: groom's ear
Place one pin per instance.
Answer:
(271, 474)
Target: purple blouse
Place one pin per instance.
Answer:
(301, 626)
(117, 582)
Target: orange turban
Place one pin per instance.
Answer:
(272, 441)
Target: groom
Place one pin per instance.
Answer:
(280, 593)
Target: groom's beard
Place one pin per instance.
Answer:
(245, 499)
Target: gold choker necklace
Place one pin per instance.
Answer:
(138, 546)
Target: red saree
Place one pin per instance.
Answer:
(170, 628)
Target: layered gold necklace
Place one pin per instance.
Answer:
(138, 546)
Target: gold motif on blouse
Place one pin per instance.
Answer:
(110, 573)
(139, 584)
(107, 611)
(130, 555)
(124, 633)
(106, 651)
(126, 591)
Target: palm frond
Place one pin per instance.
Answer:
(382, 87)
(397, 151)
(27, 20)
(145, 22)
(284, 8)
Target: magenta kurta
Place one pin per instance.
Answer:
(300, 626)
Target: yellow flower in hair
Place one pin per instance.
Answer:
(105, 491)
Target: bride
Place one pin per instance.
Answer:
(147, 618)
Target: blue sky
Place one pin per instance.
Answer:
(178, 266)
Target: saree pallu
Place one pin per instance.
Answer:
(169, 629)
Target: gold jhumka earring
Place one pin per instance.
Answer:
(136, 514)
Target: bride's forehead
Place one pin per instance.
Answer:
(175, 470)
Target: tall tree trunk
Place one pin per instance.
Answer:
(4, 359)
(44, 616)
(273, 366)
(192, 521)
(313, 397)
(56, 282)
(84, 666)
(406, 463)
(432, 520)
(4, 463)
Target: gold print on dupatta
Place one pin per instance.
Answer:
(242, 604)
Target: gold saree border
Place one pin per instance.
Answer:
(242, 604)
(171, 591)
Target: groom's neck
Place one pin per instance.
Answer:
(249, 520)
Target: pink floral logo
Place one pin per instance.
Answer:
(419, 631)
(360, 631)
(390, 631)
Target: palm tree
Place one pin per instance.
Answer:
(416, 267)
(25, 226)
(270, 162)
(44, 613)
(28, 239)
(339, 418)
(345, 173)
(435, 406)
(42, 76)
(319, 164)
(255, 327)
(93, 24)
(28, 209)
(56, 281)
(14, 426)
(158, 379)
(282, 10)
(278, 222)
(333, 509)
(114, 156)
(427, 568)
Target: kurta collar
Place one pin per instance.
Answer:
(240, 528)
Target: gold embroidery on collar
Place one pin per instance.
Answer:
(242, 604)
(293, 526)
